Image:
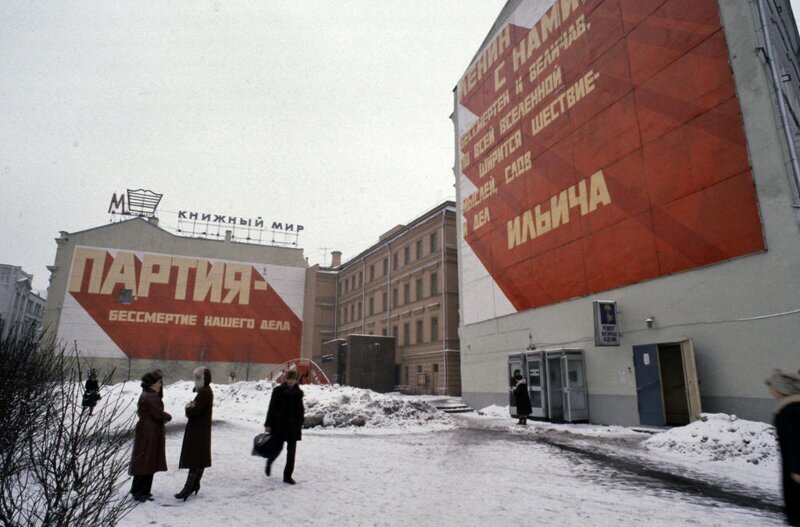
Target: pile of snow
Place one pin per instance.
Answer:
(719, 437)
(326, 406)
(495, 411)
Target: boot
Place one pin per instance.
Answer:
(188, 487)
(198, 477)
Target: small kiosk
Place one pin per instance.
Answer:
(556, 384)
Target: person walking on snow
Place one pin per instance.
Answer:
(196, 448)
(149, 445)
(285, 422)
(785, 387)
(522, 399)
(91, 393)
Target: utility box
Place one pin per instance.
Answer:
(363, 361)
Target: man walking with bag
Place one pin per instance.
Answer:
(285, 422)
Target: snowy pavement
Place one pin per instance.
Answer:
(423, 471)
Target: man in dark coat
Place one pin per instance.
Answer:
(149, 454)
(285, 422)
(522, 399)
(786, 388)
(196, 449)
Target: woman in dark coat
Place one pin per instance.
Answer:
(522, 399)
(196, 449)
(91, 392)
(149, 455)
(285, 422)
(786, 388)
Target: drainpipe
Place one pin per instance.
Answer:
(336, 309)
(444, 306)
(363, 296)
(779, 94)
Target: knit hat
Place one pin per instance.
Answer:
(149, 378)
(784, 383)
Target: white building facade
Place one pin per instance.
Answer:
(640, 154)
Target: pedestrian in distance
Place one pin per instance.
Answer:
(522, 399)
(196, 448)
(285, 422)
(91, 392)
(149, 444)
(785, 387)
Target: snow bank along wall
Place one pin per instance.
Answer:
(133, 297)
(631, 151)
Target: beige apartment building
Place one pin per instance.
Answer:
(406, 287)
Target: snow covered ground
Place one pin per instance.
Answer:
(379, 459)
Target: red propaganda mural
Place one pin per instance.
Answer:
(156, 306)
(600, 144)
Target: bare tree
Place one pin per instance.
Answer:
(59, 466)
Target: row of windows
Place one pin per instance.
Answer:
(356, 280)
(353, 311)
(418, 337)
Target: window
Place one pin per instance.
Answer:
(385, 304)
(407, 255)
(434, 242)
(405, 374)
(435, 368)
(359, 310)
(394, 331)
(394, 297)
(419, 369)
(419, 249)
(372, 305)
(359, 279)
(395, 261)
(406, 293)
(419, 332)
(419, 288)
(385, 266)
(125, 296)
(371, 273)
(345, 286)
(343, 314)
(434, 284)
(434, 329)
(406, 334)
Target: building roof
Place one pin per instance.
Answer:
(400, 230)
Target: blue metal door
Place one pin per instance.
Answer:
(648, 385)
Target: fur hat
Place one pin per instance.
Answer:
(784, 383)
(202, 377)
(149, 378)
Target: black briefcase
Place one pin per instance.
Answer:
(266, 446)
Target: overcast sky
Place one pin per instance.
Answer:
(333, 115)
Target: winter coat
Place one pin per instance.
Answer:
(286, 413)
(196, 449)
(91, 393)
(787, 427)
(522, 399)
(149, 454)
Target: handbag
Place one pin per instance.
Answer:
(266, 446)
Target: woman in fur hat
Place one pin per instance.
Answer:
(785, 387)
(196, 449)
(149, 455)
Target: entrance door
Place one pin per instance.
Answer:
(648, 385)
(690, 377)
(577, 404)
(535, 380)
(555, 388)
